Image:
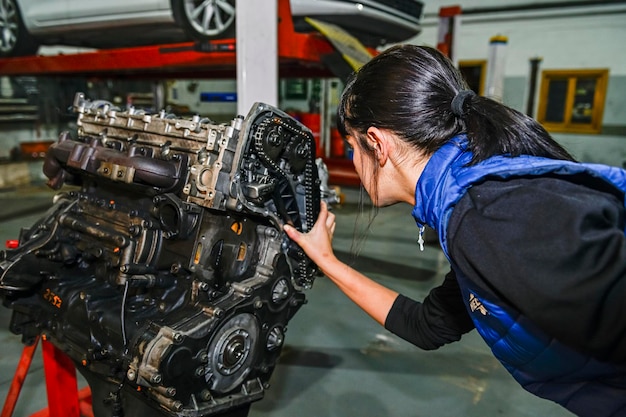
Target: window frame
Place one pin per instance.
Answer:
(595, 126)
(482, 63)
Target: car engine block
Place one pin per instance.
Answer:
(161, 268)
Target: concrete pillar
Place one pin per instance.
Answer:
(257, 53)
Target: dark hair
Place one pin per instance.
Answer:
(408, 89)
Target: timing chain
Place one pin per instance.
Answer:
(304, 272)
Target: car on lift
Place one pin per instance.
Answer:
(27, 24)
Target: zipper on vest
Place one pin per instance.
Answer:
(420, 238)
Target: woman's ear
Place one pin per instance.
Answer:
(379, 140)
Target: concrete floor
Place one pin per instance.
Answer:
(337, 362)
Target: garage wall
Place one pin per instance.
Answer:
(209, 98)
(575, 36)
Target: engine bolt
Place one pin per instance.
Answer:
(205, 395)
(131, 375)
(177, 338)
(170, 391)
(156, 378)
(274, 139)
(302, 151)
(200, 371)
(177, 406)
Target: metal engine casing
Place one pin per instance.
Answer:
(163, 271)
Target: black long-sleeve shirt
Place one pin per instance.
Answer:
(552, 249)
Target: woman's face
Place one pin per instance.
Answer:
(388, 169)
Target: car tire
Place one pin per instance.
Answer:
(190, 15)
(14, 38)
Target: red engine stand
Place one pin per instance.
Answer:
(64, 398)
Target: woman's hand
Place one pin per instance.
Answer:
(375, 299)
(317, 243)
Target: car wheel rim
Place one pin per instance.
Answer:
(8, 25)
(209, 17)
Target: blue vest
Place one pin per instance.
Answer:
(540, 363)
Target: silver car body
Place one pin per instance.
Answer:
(94, 23)
(370, 9)
(52, 16)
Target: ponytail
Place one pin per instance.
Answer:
(495, 129)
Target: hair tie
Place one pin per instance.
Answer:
(459, 101)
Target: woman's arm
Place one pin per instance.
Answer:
(375, 299)
(440, 319)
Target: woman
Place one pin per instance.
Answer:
(535, 240)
